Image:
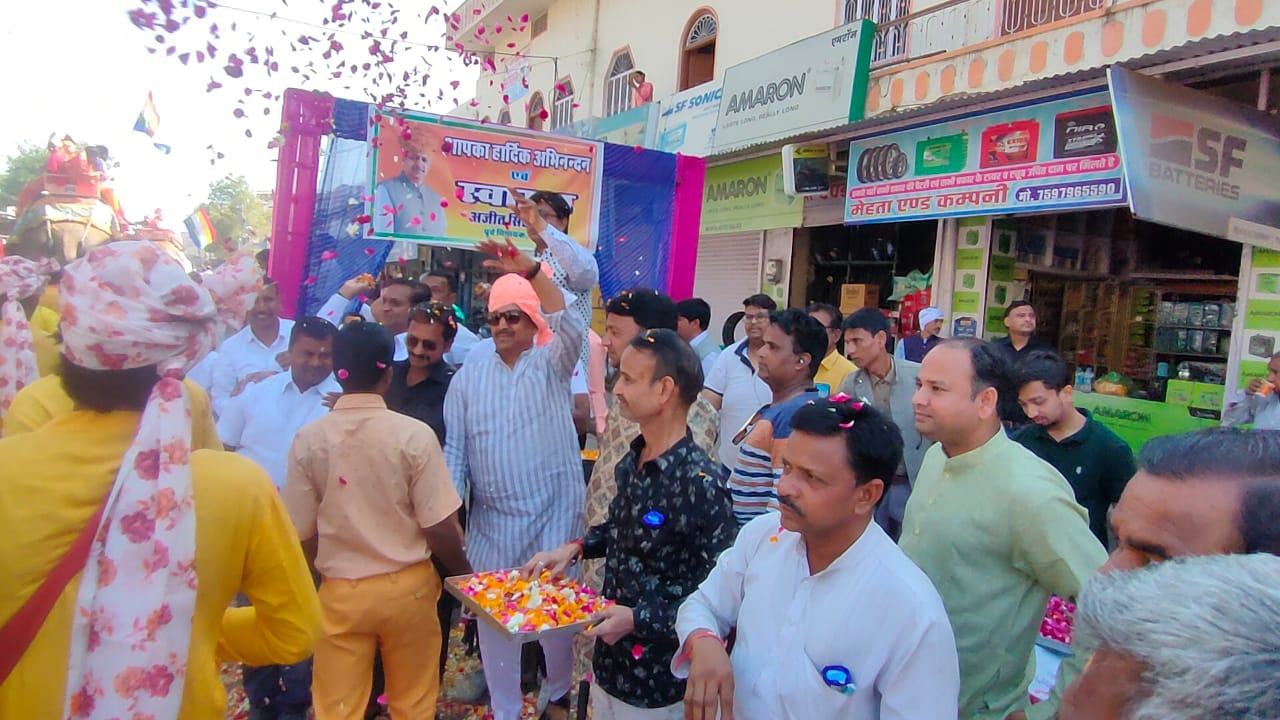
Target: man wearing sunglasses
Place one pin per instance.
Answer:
(511, 443)
(419, 382)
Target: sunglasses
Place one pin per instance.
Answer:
(412, 342)
(513, 317)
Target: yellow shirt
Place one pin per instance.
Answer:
(43, 400)
(45, 320)
(832, 370)
(51, 483)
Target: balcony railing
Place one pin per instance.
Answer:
(1019, 15)
(954, 24)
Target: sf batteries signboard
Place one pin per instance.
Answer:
(1055, 154)
(1198, 162)
(688, 122)
(814, 84)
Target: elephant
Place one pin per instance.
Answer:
(63, 227)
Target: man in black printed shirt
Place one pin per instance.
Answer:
(667, 525)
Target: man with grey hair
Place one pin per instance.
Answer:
(1190, 639)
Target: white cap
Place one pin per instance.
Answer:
(930, 314)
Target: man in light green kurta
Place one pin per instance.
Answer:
(994, 527)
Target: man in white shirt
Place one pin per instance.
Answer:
(833, 621)
(257, 351)
(693, 323)
(732, 386)
(397, 298)
(261, 421)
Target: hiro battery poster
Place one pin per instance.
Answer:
(1055, 154)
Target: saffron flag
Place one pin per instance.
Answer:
(200, 227)
(148, 120)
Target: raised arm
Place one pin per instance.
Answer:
(582, 272)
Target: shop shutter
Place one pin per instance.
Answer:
(728, 271)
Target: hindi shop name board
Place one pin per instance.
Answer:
(446, 181)
(813, 84)
(1055, 155)
(1198, 162)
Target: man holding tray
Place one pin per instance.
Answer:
(511, 440)
(667, 523)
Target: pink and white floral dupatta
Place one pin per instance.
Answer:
(20, 279)
(129, 305)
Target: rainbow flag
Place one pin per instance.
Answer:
(200, 227)
(148, 120)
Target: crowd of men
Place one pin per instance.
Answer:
(801, 525)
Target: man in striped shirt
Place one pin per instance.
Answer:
(794, 345)
(511, 441)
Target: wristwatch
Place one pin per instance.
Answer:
(533, 272)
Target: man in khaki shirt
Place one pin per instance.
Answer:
(370, 495)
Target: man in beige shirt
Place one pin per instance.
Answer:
(370, 495)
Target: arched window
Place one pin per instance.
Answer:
(537, 112)
(617, 87)
(891, 32)
(562, 104)
(504, 116)
(698, 56)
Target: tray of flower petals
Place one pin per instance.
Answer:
(524, 608)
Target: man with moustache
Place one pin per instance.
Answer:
(511, 442)
(627, 316)
(419, 382)
(668, 522)
(257, 351)
(1208, 492)
(888, 382)
(444, 290)
(833, 620)
(994, 527)
(792, 349)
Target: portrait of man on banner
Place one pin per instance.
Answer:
(406, 204)
(444, 181)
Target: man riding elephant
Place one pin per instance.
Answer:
(61, 214)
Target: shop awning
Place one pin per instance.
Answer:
(1237, 53)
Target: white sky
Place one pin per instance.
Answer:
(81, 67)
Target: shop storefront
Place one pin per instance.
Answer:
(753, 233)
(1162, 309)
(745, 244)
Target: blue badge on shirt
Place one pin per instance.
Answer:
(653, 519)
(839, 678)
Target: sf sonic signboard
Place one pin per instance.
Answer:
(813, 84)
(1198, 162)
(1055, 154)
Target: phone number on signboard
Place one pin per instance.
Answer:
(1074, 192)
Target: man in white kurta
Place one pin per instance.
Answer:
(833, 621)
(512, 443)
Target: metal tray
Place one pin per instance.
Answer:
(453, 586)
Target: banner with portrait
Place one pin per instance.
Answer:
(447, 181)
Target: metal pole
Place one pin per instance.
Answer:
(1264, 89)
